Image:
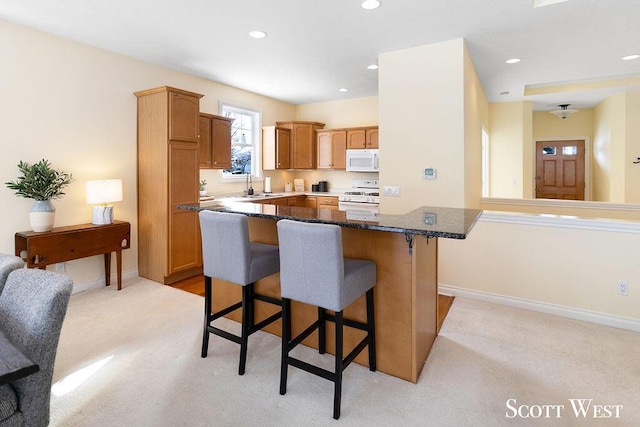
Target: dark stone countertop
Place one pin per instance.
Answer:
(452, 223)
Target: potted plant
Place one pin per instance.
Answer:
(203, 188)
(42, 183)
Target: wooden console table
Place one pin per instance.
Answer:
(75, 241)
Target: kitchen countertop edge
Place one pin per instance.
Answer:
(451, 223)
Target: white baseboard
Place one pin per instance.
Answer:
(627, 323)
(81, 287)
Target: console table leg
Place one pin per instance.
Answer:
(119, 268)
(107, 268)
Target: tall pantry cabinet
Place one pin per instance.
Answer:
(168, 174)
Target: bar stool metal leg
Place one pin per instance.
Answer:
(207, 316)
(371, 331)
(286, 337)
(337, 393)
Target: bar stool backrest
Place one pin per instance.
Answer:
(226, 251)
(312, 264)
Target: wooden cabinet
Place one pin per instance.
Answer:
(215, 141)
(311, 202)
(169, 246)
(276, 148)
(327, 202)
(303, 143)
(332, 149)
(366, 137)
(371, 138)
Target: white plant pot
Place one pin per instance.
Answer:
(42, 215)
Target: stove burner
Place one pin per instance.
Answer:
(354, 193)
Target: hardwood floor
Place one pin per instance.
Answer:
(195, 285)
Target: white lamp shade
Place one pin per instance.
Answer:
(104, 191)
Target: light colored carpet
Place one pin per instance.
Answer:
(140, 350)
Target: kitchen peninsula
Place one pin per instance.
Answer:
(405, 250)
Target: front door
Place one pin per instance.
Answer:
(560, 170)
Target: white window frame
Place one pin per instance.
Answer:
(256, 156)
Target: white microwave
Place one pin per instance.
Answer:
(363, 160)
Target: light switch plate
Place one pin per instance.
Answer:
(391, 190)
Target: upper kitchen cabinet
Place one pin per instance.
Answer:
(303, 143)
(183, 117)
(332, 149)
(169, 246)
(215, 141)
(366, 137)
(276, 148)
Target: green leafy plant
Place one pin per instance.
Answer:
(39, 181)
(203, 184)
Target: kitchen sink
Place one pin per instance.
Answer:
(262, 195)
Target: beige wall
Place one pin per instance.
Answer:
(422, 119)
(632, 146)
(507, 123)
(476, 117)
(547, 265)
(74, 105)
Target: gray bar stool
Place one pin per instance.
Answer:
(227, 254)
(313, 271)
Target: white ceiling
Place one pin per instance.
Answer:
(314, 48)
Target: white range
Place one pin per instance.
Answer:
(363, 201)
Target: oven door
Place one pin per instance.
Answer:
(360, 211)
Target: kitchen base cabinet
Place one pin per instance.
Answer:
(310, 202)
(169, 246)
(327, 202)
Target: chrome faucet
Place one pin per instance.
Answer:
(249, 190)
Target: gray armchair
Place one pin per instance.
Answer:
(32, 308)
(8, 263)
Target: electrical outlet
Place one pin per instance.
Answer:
(391, 190)
(60, 266)
(623, 287)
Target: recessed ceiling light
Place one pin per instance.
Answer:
(513, 60)
(372, 67)
(370, 4)
(343, 89)
(257, 34)
(630, 57)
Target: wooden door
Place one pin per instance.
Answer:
(560, 170)
(339, 149)
(372, 138)
(184, 117)
(220, 143)
(205, 142)
(184, 232)
(283, 148)
(356, 138)
(324, 150)
(304, 146)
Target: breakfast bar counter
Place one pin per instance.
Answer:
(405, 250)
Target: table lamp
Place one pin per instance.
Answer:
(101, 193)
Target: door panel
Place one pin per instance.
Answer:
(560, 169)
